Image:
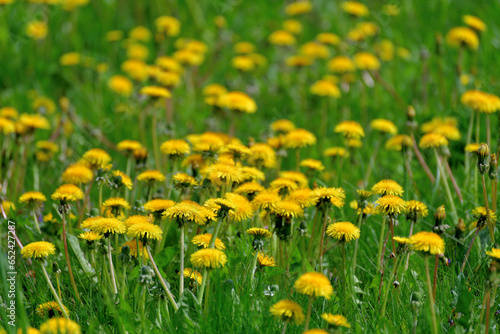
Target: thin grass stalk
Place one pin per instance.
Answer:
(54, 293)
(253, 268)
(321, 244)
(489, 221)
(468, 250)
(454, 182)
(381, 240)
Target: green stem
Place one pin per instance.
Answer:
(162, 282)
(308, 315)
(381, 240)
(111, 267)
(215, 233)
(388, 287)
(253, 267)
(36, 222)
(355, 256)
(446, 186)
(54, 293)
(181, 273)
(490, 222)
(431, 297)
(203, 284)
(66, 254)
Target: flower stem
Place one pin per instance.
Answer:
(387, 290)
(58, 300)
(431, 296)
(421, 159)
(435, 276)
(203, 284)
(321, 244)
(381, 240)
(355, 256)
(181, 272)
(214, 234)
(308, 315)
(35, 219)
(66, 254)
(344, 276)
(162, 282)
(446, 186)
(253, 267)
(491, 223)
(111, 267)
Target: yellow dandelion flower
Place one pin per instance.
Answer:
(266, 200)
(333, 196)
(299, 138)
(295, 176)
(402, 240)
(298, 8)
(315, 50)
(397, 143)
(50, 309)
(37, 30)
(341, 64)
(387, 187)
(175, 148)
(32, 198)
(77, 174)
(288, 209)
(203, 240)
(155, 92)
(107, 226)
(299, 61)
(38, 249)
(480, 101)
(462, 36)
(60, 326)
(391, 205)
(187, 211)
(314, 284)
(168, 25)
(209, 258)
(282, 38)
(472, 148)
(97, 158)
(366, 61)
(262, 155)
(87, 223)
(335, 152)
(90, 236)
(494, 252)
(343, 231)
(328, 38)
(474, 22)
(288, 311)
(67, 193)
(249, 188)
(7, 126)
(138, 219)
(350, 129)
(145, 231)
(384, 125)
(283, 184)
(480, 214)
(225, 173)
(416, 210)
(120, 85)
(32, 122)
(243, 63)
(312, 164)
(282, 126)
(124, 179)
(355, 8)
(193, 274)
(427, 242)
(237, 101)
(259, 233)
(151, 176)
(128, 145)
(303, 196)
(432, 140)
(325, 88)
(293, 26)
(116, 203)
(265, 260)
(335, 320)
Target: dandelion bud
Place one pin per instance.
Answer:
(55, 268)
(146, 275)
(494, 166)
(410, 122)
(416, 301)
(459, 228)
(482, 158)
(440, 215)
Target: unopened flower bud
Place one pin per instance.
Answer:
(494, 167)
(482, 158)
